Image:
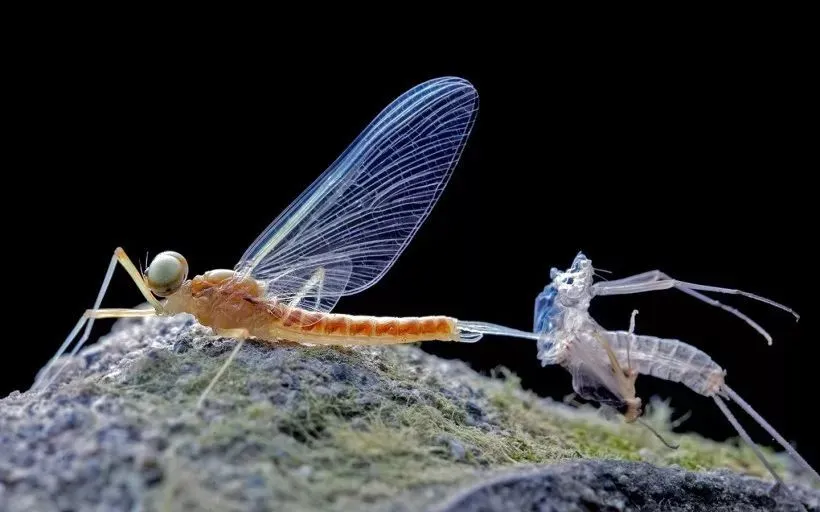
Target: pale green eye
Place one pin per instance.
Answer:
(166, 273)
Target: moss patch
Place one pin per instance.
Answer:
(302, 428)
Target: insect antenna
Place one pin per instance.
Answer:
(142, 270)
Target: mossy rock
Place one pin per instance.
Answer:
(296, 427)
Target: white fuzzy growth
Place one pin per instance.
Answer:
(164, 270)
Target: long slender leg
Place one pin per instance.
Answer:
(315, 281)
(651, 275)
(626, 379)
(770, 429)
(632, 376)
(88, 316)
(658, 435)
(224, 367)
(748, 440)
(120, 313)
(126, 262)
(661, 281)
(93, 314)
(613, 359)
(83, 320)
(87, 320)
(656, 280)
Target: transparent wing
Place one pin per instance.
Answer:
(345, 231)
(304, 285)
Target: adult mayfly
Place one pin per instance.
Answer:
(339, 237)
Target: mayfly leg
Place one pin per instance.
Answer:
(656, 280)
(89, 316)
(748, 440)
(631, 331)
(632, 376)
(316, 280)
(745, 436)
(767, 427)
(241, 341)
(613, 359)
(83, 320)
(626, 379)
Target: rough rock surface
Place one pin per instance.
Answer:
(305, 428)
(620, 485)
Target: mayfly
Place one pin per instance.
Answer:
(605, 364)
(339, 237)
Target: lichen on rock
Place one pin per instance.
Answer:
(294, 427)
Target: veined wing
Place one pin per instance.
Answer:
(347, 229)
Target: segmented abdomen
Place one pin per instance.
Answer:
(358, 329)
(270, 319)
(669, 359)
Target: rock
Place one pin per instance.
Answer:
(621, 486)
(330, 428)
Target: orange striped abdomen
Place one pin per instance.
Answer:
(363, 330)
(226, 307)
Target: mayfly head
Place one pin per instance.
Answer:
(573, 284)
(166, 273)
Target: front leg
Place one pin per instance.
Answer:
(643, 277)
(656, 280)
(88, 317)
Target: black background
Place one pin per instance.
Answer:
(686, 160)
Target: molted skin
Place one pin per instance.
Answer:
(225, 301)
(561, 313)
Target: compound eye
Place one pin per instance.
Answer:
(166, 273)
